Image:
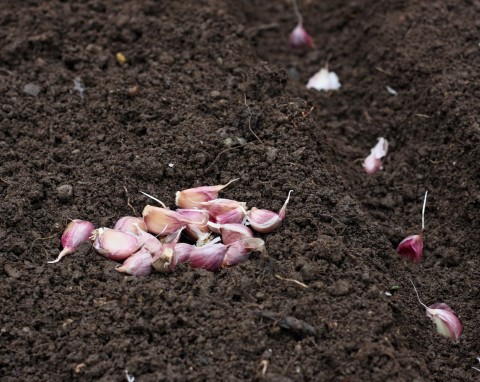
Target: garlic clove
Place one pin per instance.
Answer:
(446, 322)
(373, 162)
(266, 221)
(115, 245)
(76, 233)
(127, 224)
(209, 257)
(235, 216)
(240, 250)
(411, 247)
(139, 264)
(231, 232)
(220, 206)
(299, 39)
(147, 240)
(324, 80)
(163, 221)
(183, 251)
(191, 197)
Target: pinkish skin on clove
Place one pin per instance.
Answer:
(139, 264)
(115, 245)
(265, 221)
(76, 233)
(231, 232)
(374, 162)
(446, 321)
(209, 257)
(163, 221)
(299, 39)
(191, 197)
(412, 246)
(148, 241)
(183, 250)
(129, 224)
(240, 250)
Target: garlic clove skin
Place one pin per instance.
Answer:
(411, 247)
(373, 162)
(209, 257)
(324, 80)
(163, 221)
(128, 224)
(139, 264)
(147, 240)
(235, 232)
(220, 206)
(76, 233)
(191, 197)
(183, 251)
(265, 221)
(240, 250)
(299, 39)
(235, 216)
(115, 245)
(446, 322)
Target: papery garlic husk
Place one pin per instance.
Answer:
(166, 259)
(183, 250)
(411, 247)
(191, 197)
(324, 80)
(447, 323)
(115, 245)
(209, 257)
(202, 235)
(266, 221)
(139, 264)
(299, 39)
(240, 250)
(231, 232)
(374, 162)
(147, 240)
(163, 221)
(127, 224)
(198, 231)
(76, 233)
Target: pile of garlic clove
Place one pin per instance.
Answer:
(220, 228)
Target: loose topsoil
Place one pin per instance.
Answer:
(199, 76)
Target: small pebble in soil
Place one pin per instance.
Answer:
(65, 192)
(11, 271)
(31, 89)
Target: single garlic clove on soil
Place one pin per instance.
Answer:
(76, 233)
(191, 197)
(115, 245)
(139, 264)
(266, 221)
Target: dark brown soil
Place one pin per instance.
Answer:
(158, 124)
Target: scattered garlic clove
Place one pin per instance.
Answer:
(147, 240)
(447, 323)
(235, 216)
(266, 221)
(231, 232)
(240, 250)
(299, 39)
(139, 264)
(209, 257)
(115, 245)
(191, 197)
(324, 80)
(76, 233)
(217, 207)
(373, 162)
(127, 224)
(411, 247)
(183, 251)
(163, 221)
